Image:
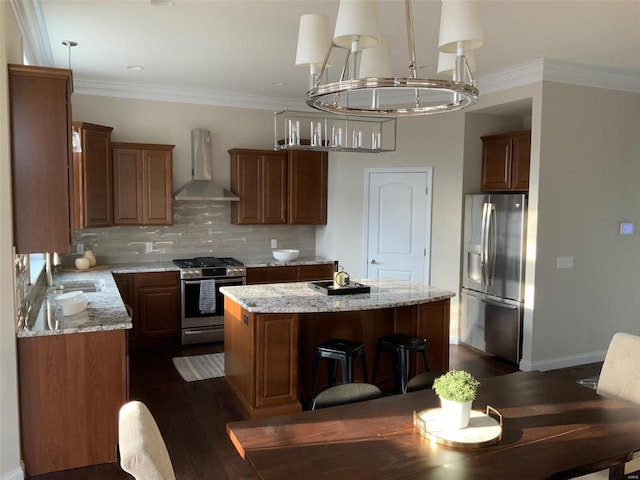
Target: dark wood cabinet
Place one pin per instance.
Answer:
(142, 184)
(71, 389)
(40, 115)
(279, 187)
(290, 273)
(155, 301)
(92, 173)
(259, 178)
(308, 177)
(505, 162)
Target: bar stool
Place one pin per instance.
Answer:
(334, 350)
(400, 345)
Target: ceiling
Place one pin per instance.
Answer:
(247, 47)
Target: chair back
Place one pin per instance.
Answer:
(345, 393)
(620, 374)
(143, 452)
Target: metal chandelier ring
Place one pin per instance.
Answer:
(466, 95)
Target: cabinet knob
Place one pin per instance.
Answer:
(373, 261)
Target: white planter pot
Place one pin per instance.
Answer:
(455, 414)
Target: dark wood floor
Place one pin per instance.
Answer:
(192, 416)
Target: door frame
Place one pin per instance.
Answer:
(428, 199)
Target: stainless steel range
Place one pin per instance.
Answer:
(202, 302)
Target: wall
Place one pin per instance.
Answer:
(199, 227)
(10, 468)
(588, 182)
(432, 141)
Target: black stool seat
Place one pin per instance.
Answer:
(400, 345)
(344, 351)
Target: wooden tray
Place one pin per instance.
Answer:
(352, 288)
(483, 429)
(90, 269)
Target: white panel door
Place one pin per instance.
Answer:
(398, 223)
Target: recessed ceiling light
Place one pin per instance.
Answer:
(162, 3)
(278, 84)
(135, 67)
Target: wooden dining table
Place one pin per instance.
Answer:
(553, 428)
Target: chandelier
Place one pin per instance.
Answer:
(366, 86)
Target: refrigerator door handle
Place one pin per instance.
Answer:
(485, 242)
(491, 244)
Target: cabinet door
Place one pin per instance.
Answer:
(245, 182)
(274, 176)
(157, 309)
(496, 164)
(520, 162)
(259, 178)
(127, 186)
(93, 177)
(157, 185)
(307, 187)
(40, 114)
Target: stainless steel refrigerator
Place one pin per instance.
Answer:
(493, 273)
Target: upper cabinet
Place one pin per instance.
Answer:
(505, 162)
(92, 188)
(279, 187)
(40, 114)
(142, 184)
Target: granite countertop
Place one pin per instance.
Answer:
(105, 310)
(272, 262)
(301, 298)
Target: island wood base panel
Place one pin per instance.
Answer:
(269, 357)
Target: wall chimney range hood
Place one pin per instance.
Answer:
(201, 187)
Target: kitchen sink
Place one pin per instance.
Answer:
(85, 286)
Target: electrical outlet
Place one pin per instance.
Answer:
(274, 243)
(80, 248)
(148, 247)
(564, 262)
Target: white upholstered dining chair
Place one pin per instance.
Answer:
(620, 378)
(143, 452)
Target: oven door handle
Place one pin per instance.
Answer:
(222, 281)
(192, 331)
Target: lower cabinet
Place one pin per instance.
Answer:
(290, 273)
(154, 298)
(71, 390)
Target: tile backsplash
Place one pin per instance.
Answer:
(200, 228)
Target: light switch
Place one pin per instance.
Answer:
(564, 262)
(626, 228)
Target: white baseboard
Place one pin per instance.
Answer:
(562, 362)
(16, 474)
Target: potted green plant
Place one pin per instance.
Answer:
(457, 390)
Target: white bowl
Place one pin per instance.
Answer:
(286, 255)
(72, 302)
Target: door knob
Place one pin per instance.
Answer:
(373, 261)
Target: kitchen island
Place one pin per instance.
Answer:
(271, 332)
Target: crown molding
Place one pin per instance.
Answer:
(84, 86)
(30, 20)
(551, 70)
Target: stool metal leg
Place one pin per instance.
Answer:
(363, 358)
(316, 365)
(332, 370)
(376, 361)
(347, 370)
(404, 369)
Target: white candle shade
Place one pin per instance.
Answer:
(376, 61)
(314, 41)
(356, 18)
(459, 22)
